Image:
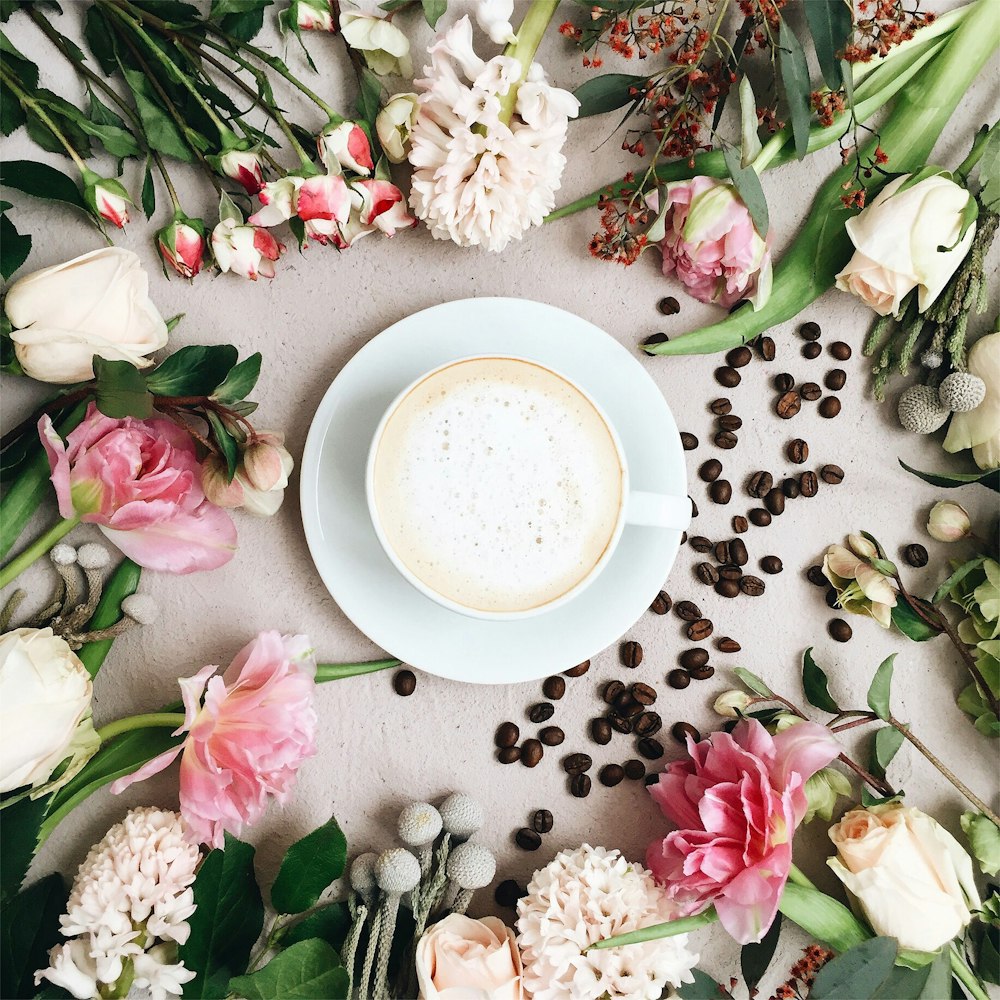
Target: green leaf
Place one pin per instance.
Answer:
(308, 867)
(105, 125)
(100, 37)
(29, 927)
(121, 390)
(830, 24)
(607, 92)
(878, 693)
(822, 917)
(192, 371)
(41, 181)
(798, 90)
(755, 958)
(816, 685)
(888, 740)
(240, 381)
(162, 133)
(989, 170)
(148, 196)
(929, 982)
(330, 922)
(956, 578)
(225, 441)
(19, 826)
(704, 987)
(984, 839)
(18, 63)
(14, 247)
(910, 623)
(309, 970)
(858, 973)
(122, 583)
(988, 958)
(748, 187)
(369, 96)
(241, 19)
(749, 140)
(753, 682)
(952, 480)
(12, 115)
(227, 922)
(433, 9)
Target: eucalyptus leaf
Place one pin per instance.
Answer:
(240, 381)
(41, 181)
(830, 24)
(879, 691)
(888, 740)
(753, 682)
(798, 90)
(121, 389)
(607, 92)
(858, 973)
(14, 247)
(29, 927)
(748, 186)
(816, 685)
(308, 867)
(952, 480)
(195, 370)
(309, 970)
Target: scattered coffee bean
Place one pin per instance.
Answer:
(404, 683)
(692, 658)
(651, 779)
(507, 734)
(760, 517)
(830, 407)
(809, 484)
(775, 502)
(832, 598)
(630, 708)
(507, 893)
(840, 350)
(660, 606)
(684, 538)
(631, 654)
(700, 630)
(541, 822)
(647, 724)
(611, 775)
(710, 471)
(650, 749)
(678, 679)
(707, 573)
(726, 440)
(688, 611)
(759, 485)
(728, 377)
(790, 488)
(527, 840)
(783, 382)
(721, 406)
(730, 423)
(531, 753)
(771, 564)
(643, 694)
(839, 630)
(816, 576)
(722, 552)
(634, 769)
(552, 736)
(702, 673)
(765, 349)
(600, 731)
(788, 405)
(730, 572)
(577, 763)
(554, 687)
(811, 351)
(835, 379)
(727, 645)
(509, 755)
(655, 338)
(797, 451)
(810, 391)
(580, 785)
(832, 474)
(682, 730)
(739, 357)
(700, 543)
(541, 712)
(579, 670)
(752, 586)
(740, 524)
(688, 441)
(809, 331)
(611, 691)
(721, 491)
(620, 723)
(738, 552)
(669, 306)
(915, 555)
(694, 508)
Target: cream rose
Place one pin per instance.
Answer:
(95, 304)
(896, 240)
(464, 959)
(909, 876)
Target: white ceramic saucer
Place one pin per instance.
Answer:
(360, 576)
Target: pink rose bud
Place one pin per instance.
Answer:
(345, 146)
(948, 522)
(182, 246)
(313, 15)
(278, 200)
(322, 204)
(383, 206)
(216, 483)
(245, 250)
(243, 166)
(106, 198)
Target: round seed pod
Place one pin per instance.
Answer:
(419, 824)
(959, 392)
(141, 608)
(63, 554)
(363, 872)
(920, 411)
(931, 358)
(397, 871)
(472, 866)
(93, 556)
(461, 815)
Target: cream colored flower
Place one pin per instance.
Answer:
(394, 124)
(948, 521)
(861, 589)
(459, 958)
(979, 429)
(384, 47)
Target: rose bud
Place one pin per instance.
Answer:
(730, 704)
(182, 245)
(393, 126)
(264, 463)
(948, 522)
(313, 15)
(106, 198)
(278, 201)
(245, 250)
(324, 199)
(345, 146)
(244, 167)
(383, 206)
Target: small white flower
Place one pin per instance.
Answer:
(385, 48)
(493, 16)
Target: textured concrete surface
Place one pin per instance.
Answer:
(376, 750)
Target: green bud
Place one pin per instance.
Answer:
(984, 839)
(822, 791)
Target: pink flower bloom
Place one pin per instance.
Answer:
(314, 15)
(278, 201)
(345, 146)
(707, 236)
(106, 198)
(321, 203)
(383, 206)
(140, 482)
(246, 742)
(245, 250)
(737, 802)
(182, 246)
(244, 167)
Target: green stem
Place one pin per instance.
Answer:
(654, 932)
(157, 720)
(529, 35)
(975, 154)
(122, 583)
(966, 976)
(338, 671)
(796, 877)
(29, 104)
(37, 549)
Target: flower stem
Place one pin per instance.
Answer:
(966, 976)
(29, 104)
(152, 720)
(529, 35)
(654, 932)
(338, 671)
(796, 877)
(37, 549)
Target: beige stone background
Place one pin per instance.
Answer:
(378, 751)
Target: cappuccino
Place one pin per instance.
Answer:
(498, 484)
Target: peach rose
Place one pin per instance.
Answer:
(460, 958)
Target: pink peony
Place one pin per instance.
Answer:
(247, 741)
(707, 236)
(140, 481)
(737, 802)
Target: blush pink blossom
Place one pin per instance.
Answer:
(383, 206)
(246, 739)
(736, 802)
(140, 482)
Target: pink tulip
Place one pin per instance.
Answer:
(182, 246)
(246, 741)
(345, 146)
(140, 482)
(383, 206)
(243, 166)
(737, 802)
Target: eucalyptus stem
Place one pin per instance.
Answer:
(37, 549)
(30, 104)
(151, 720)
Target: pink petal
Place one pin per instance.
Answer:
(151, 767)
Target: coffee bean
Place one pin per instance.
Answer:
(507, 893)
(404, 683)
(915, 555)
(840, 350)
(611, 775)
(643, 694)
(669, 306)
(775, 502)
(651, 779)
(688, 441)
(839, 630)
(655, 338)
(790, 488)
(765, 349)
(691, 658)
(726, 440)
(600, 731)
(721, 406)
(702, 673)
(728, 377)
(611, 691)
(832, 474)
(635, 770)
(739, 357)
(647, 724)
(727, 645)
(650, 749)
(810, 391)
(631, 654)
(830, 407)
(721, 491)
(759, 485)
(660, 606)
(809, 331)
(730, 572)
(835, 379)
(832, 598)
(541, 822)
(578, 671)
(816, 576)
(531, 753)
(788, 405)
(509, 755)
(700, 543)
(688, 611)
(627, 706)
(710, 471)
(740, 524)
(722, 552)
(738, 552)
(552, 736)
(580, 785)
(752, 586)
(771, 564)
(809, 484)
(540, 712)
(730, 423)
(760, 517)
(507, 734)
(700, 630)
(620, 723)
(577, 763)
(694, 507)
(707, 573)
(554, 687)
(783, 382)
(527, 840)
(682, 730)
(811, 351)
(678, 679)
(797, 451)
(684, 537)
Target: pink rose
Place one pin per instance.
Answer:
(140, 482)
(322, 203)
(248, 739)
(383, 206)
(245, 250)
(243, 166)
(345, 146)
(182, 246)
(459, 958)
(707, 236)
(737, 802)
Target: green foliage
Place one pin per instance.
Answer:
(308, 867)
(607, 92)
(192, 371)
(148, 196)
(240, 381)
(122, 583)
(755, 958)
(753, 683)
(369, 97)
(888, 740)
(19, 827)
(240, 19)
(952, 480)
(822, 917)
(816, 685)
(14, 246)
(121, 389)
(29, 927)
(878, 692)
(330, 923)
(433, 9)
(747, 183)
(830, 24)
(41, 181)
(226, 442)
(704, 987)
(858, 973)
(309, 970)
(928, 982)
(798, 89)
(984, 839)
(911, 624)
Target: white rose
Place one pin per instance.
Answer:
(909, 876)
(45, 694)
(385, 48)
(979, 429)
(95, 304)
(897, 238)
(459, 958)
(393, 125)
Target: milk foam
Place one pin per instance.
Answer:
(498, 484)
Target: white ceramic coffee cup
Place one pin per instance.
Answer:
(652, 510)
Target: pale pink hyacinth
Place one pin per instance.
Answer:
(707, 237)
(140, 482)
(246, 740)
(736, 801)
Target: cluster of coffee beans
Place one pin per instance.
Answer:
(529, 838)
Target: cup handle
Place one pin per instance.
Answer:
(658, 510)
